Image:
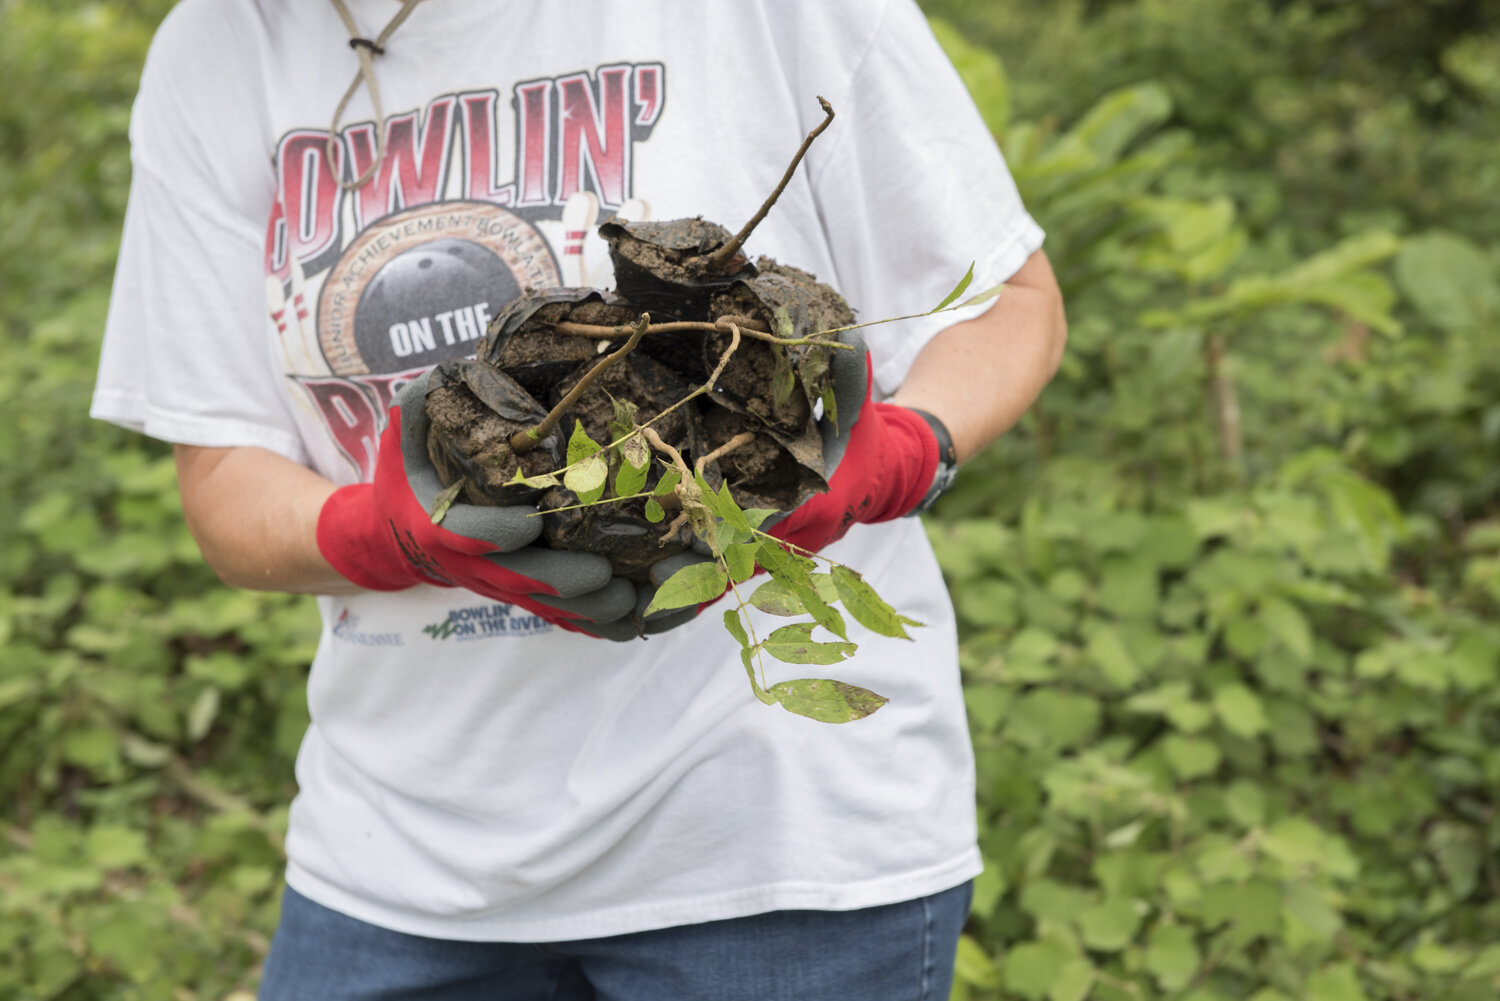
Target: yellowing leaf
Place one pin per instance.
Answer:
(587, 480)
(824, 700)
(794, 645)
(868, 608)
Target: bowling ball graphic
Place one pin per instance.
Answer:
(400, 308)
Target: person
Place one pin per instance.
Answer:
(491, 801)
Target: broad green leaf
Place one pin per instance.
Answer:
(1033, 968)
(1191, 757)
(973, 966)
(580, 445)
(958, 290)
(813, 591)
(1449, 280)
(1108, 652)
(783, 377)
(1110, 925)
(757, 516)
(1074, 982)
(824, 700)
(588, 480)
(868, 608)
(740, 557)
(830, 407)
(1240, 710)
(794, 645)
(1335, 983)
(629, 480)
(667, 483)
(736, 627)
(692, 585)
(1172, 956)
(445, 500)
(654, 512)
(114, 846)
(775, 598)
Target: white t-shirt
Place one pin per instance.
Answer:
(471, 772)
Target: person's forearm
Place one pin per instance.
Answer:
(254, 515)
(980, 376)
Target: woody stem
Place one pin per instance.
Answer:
(720, 258)
(743, 438)
(525, 441)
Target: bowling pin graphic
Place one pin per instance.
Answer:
(304, 334)
(579, 215)
(276, 303)
(602, 275)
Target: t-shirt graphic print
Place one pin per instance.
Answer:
(369, 287)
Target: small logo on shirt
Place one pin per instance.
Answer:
(347, 629)
(483, 622)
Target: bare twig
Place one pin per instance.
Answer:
(525, 441)
(1226, 406)
(755, 330)
(720, 258)
(743, 438)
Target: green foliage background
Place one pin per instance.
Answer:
(1228, 595)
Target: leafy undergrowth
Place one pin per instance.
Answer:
(1234, 712)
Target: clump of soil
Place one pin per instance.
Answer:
(474, 409)
(689, 275)
(665, 266)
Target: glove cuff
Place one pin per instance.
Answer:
(360, 543)
(911, 464)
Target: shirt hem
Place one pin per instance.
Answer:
(645, 916)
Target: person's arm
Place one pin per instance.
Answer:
(254, 515)
(980, 376)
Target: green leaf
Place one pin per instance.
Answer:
(740, 558)
(629, 481)
(667, 483)
(1191, 757)
(1109, 926)
(1172, 956)
(580, 445)
(781, 323)
(973, 967)
(445, 500)
(822, 699)
(1107, 650)
(588, 479)
(1449, 280)
(538, 482)
(654, 511)
(868, 608)
(692, 585)
(1074, 982)
(794, 645)
(756, 516)
(992, 292)
(775, 598)
(1033, 968)
(114, 846)
(958, 290)
(736, 628)
(1335, 983)
(1241, 711)
(635, 463)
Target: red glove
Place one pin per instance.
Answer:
(888, 463)
(380, 536)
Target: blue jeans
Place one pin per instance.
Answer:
(897, 952)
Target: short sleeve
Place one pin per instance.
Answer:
(186, 352)
(913, 191)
